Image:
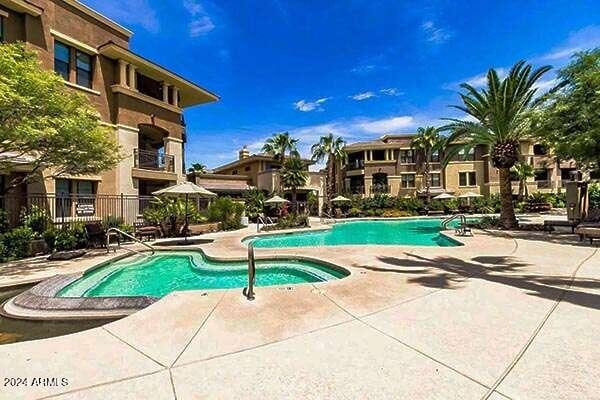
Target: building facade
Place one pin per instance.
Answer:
(260, 171)
(389, 165)
(141, 102)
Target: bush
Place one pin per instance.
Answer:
(111, 221)
(594, 195)
(254, 203)
(50, 238)
(4, 223)
(486, 204)
(17, 243)
(35, 218)
(394, 213)
(226, 211)
(437, 205)
(558, 200)
(70, 238)
(169, 214)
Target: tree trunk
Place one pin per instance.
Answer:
(330, 182)
(427, 180)
(295, 200)
(507, 211)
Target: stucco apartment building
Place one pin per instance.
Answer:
(260, 171)
(139, 100)
(389, 165)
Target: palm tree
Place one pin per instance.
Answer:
(427, 141)
(199, 168)
(523, 171)
(332, 149)
(294, 175)
(500, 120)
(279, 145)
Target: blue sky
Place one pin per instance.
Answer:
(356, 68)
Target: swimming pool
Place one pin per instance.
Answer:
(167, 271)
(419, 232)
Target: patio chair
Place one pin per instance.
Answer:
(593, 218)
(588, 231)
(143, 230)
(96, 235)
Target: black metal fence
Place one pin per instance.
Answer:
(65, 210)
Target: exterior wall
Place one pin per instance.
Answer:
(451, 176)
(61, 21)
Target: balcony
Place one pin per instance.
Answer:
(544, 184)
(355, 164)
(154, 161)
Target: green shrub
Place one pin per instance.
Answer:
(111, 221)
(557, 200)
(17, 242)
(486, 204)
(169, 214)
(293, 221)
(594, 195)
(35, 218)
(3, 257)
(394, 213)
(485, 223)
(437, 205)
(49, 236)
(226, 211)
(254, 203)
(4, 222)
(65, 240)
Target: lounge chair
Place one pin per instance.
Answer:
(148, 232)
(96, 235)
(592, 218)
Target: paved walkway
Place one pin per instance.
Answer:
(502, 317)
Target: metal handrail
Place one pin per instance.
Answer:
(117, 231)
(326, 218)
(249, 290)
(462, 229)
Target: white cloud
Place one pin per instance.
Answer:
(583, 39)
(477, 81)
(306, 106)
(435, 34)
(363, 96)
(391, 92)
(387, 125)
(200, 23)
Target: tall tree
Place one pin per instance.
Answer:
(280, 145)
(56, 129)
(293, 176)
(570, 118)
(332, 149)
(500, 113)
(427, 141)
(198, 167)
(523, 171)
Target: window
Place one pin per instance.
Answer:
(149, 86)
(84, 69)
(539, 150)
(246, 169)
(62, 60)
(1, 29)
(435, 156)
(436, 180)
(378, 155)
(467, 178)
(234, 172)
(408, 181)
(466, 156)
(407, 157)
(541, 175)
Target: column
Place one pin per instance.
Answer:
(165, 89)
(175, 96)
(132, 78)
(123, 73)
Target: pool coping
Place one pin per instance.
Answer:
(41, 302)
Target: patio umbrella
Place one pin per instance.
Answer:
(340, 199)
(276, 200)
(444, 196)
(469, 195)
(186, 189)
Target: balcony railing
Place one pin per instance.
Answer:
(147, 159)
(380, 189)
(355, 164)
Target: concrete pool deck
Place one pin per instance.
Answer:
(505, 316)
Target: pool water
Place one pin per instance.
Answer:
(167, 271)
(419, 232)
